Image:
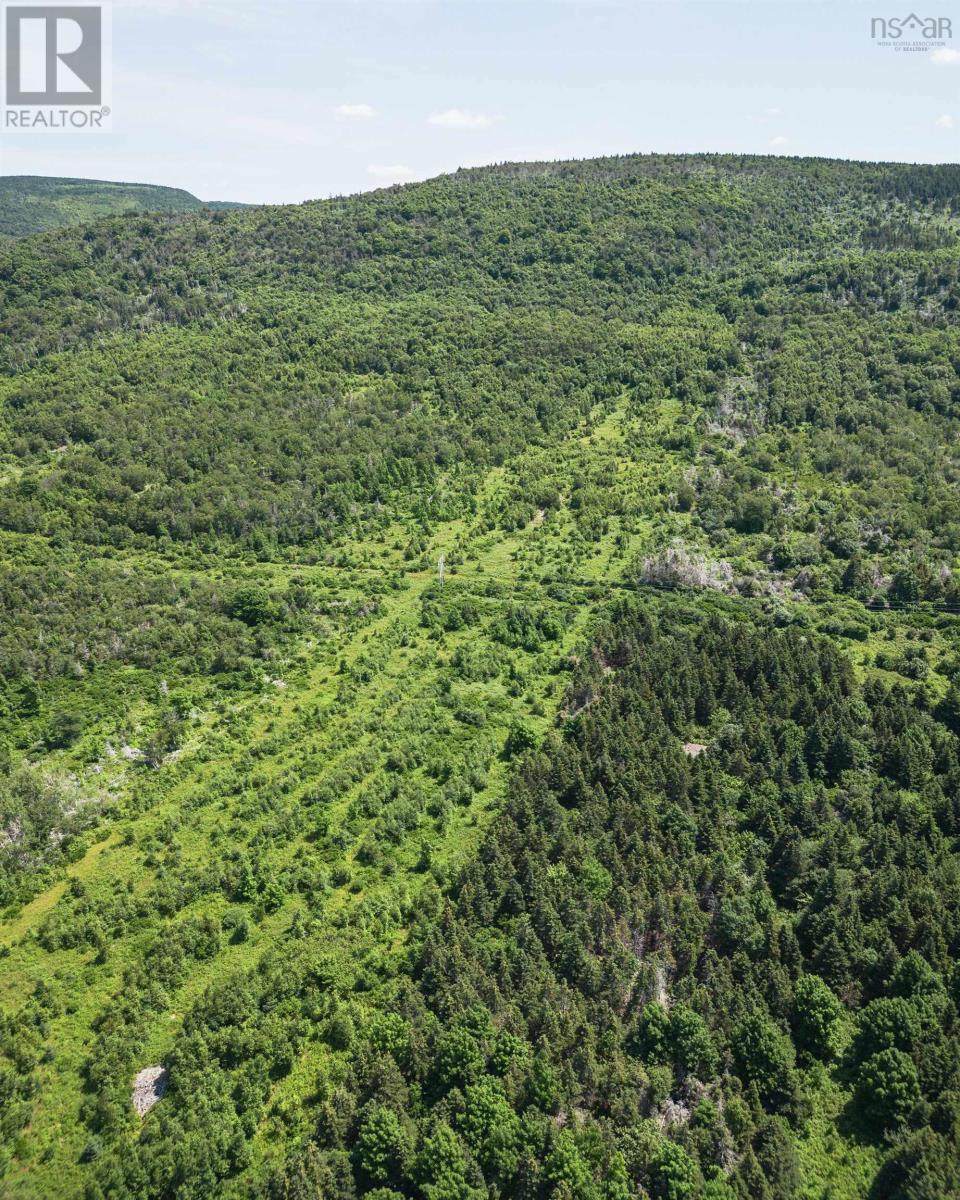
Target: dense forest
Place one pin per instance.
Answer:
(480, 690)
(36, 203)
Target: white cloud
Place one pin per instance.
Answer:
(944, 122)
(355, 110)
(779, 140)
(395, 172)
(774, 112)
(945, 57)
(458, 118)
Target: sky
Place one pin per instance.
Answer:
(276, 101)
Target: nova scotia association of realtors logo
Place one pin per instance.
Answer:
(57, 67)
(911, 32)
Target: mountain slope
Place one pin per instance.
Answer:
(36, 203)
(481, 697)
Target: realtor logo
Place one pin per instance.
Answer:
(56, 60)
(54, 55)
(930, 28)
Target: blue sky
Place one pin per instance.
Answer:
(288, 100)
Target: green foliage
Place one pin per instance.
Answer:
(32, 204)
(249, 604)
(485, 884)
(383, 1147)
(888, 1089)
(817, 1018)
(441, 1167)
(765, 1057)
(519, 740)
(689, 1038)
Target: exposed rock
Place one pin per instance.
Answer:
(661, 993)
(148, 1087)
(673, 1112)
(738, 414)
(692, 749)
(676, 566)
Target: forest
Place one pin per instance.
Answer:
(480, 690)
(35, 203)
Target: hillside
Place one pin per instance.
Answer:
(480, 691)
(35, 204)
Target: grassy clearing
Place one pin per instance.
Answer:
(343, 710)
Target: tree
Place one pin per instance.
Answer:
(650, 1039)
(63, 730)
(441, 1166)
(250, 604)
(566, 1170)
(888, 1089)
(778, 1159)
(491, 1127)
(691, 1041)
(673, 1173)
(458, 1058)
(923, 1165)
(617, 1184)
(737, 925)
(383, 1147)
(520, 739)
(765, 1057)
(891, 1022)
(816, 1018)
(948, 710)
(906, 584)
